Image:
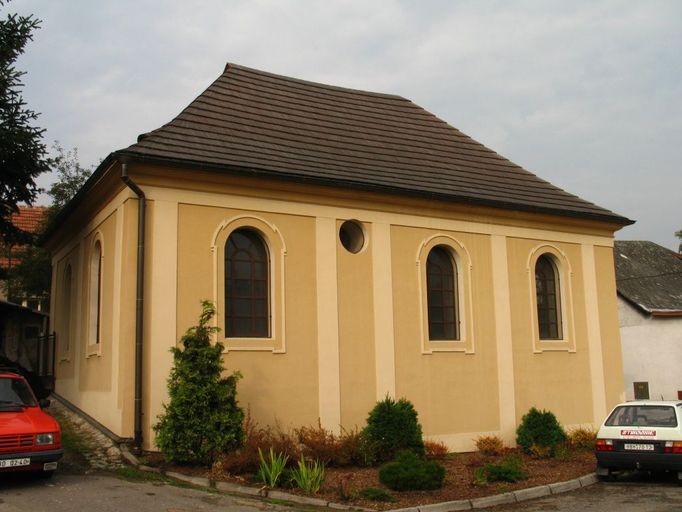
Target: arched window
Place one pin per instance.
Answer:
(247, 285)
(65, 335)
(95, 294)
(548, 293)
(441, 284)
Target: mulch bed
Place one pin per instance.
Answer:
(341, 484)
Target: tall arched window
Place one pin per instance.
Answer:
(441, 284)
(95, 294)
(65, 335)
(247, 285)
(548, 293)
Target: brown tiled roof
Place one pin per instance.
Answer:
(649, 276)
(253, 122)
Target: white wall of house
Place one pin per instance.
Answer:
(652, 352)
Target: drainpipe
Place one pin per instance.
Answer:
(139, 305)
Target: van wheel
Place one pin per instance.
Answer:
(605, 475)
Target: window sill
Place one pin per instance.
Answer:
(432, 346)
(253, 345)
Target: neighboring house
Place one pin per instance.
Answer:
(355, 246)
(29, 219)
(649, 283)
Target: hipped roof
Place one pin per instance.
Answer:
(649, 276)
(260, 124)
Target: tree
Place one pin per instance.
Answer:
(203, 418)
(678, 234)
(70, 176)
(23, 156)
(30, 274)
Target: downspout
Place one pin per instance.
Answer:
(139, 305)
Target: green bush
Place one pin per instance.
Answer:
(392, 426)
(374, 494)
(540, 429)
(410, 472)
(203, 418)
(509, 470)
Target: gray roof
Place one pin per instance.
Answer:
(259, 124)
(649, 276)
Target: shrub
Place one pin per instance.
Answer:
(539, 451)
(272, 467)
(539, 428)
(246, 459)
(582, 438)
(435, 450)
(308, 477)
(374, 494)
(509, 470)
(202, 418)
(490, 445)
(410, 472)
(392, 426)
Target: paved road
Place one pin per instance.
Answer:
(102, 493)
(635, 493)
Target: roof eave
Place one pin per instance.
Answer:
(256, 172)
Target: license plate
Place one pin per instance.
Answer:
(640, 447)
(14, 463)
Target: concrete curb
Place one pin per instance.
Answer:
(448, 506)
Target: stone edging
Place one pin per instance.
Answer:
(448, 506)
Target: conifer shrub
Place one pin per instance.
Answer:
(539, 430)
(392, 426)
(411, 472)
(202, 418)
(509, 470)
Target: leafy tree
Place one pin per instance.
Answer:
(203, 418)
(22, 154)
(71, 176)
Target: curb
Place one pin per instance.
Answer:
(449, 506)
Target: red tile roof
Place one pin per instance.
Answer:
(29, 219)
(256, 123)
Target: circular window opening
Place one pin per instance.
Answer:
(352, 236)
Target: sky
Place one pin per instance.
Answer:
(585, 94)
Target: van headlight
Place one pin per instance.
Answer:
(43, 439)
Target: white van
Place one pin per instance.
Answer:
(641, 435)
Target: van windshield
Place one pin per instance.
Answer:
(642, 416)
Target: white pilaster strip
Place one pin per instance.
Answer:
(329, 378)
(593, 332)
(503, 336)
(119, 217)
(161, 271)
(384, 343)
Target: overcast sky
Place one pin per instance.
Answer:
(585, 94)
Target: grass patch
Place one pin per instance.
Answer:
(137, 475)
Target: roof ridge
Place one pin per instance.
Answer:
(231, 65)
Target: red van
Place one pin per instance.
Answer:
(30, 439)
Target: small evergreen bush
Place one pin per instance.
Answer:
(203, 418)
(410, 472)
(392, 426)
(539, 428)
(375, 494)
(509, 470)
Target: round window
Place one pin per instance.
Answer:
(352, 236)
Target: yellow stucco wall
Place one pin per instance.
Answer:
(349, 328)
